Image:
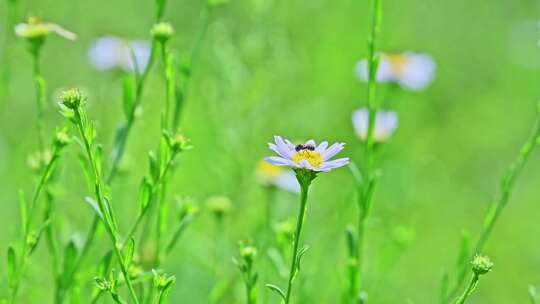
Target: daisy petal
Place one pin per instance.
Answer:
(283, 148)
(333, 150)
(333, 164)
(278, 161)
(322, 146)
(310, 142)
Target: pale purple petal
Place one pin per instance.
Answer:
(290, 145)
(322, 146)
(304, 164)
(278, 161)
(333, 164)
(287, 181)
(310, 142)
(283, 148)
(333, 150)
(275, 148)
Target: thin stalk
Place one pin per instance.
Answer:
(296, 240)
(121, 141)
(470, 288)
(27, 227)
(40, 98)
(506, 189)
(365, 192)
(111, 230)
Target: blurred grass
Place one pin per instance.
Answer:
(272, 67)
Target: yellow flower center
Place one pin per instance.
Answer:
(314, 158)
(397, 62)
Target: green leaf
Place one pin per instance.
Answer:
(94, 206)
(129, 252)
(299, 258)
(11, 265)
(356, 174)
(104, 265)
(154, 167)
(166, 289)
(145, 194)
(70, 255)
(128, 86)
(99, 159)
(533, 295)
(277, 290)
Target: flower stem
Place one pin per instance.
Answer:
(470, 288)
(506, 189)
(296, 241)
(104, 205)
(365, 192)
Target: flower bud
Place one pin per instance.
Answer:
(219, 205)
(72, 98)
(248, 253)
(179, 142)
(481, 264)
(162, 31)
(61, 139)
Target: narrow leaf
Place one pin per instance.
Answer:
(145, 194)
(94, 206)
(24, 210)
(128, 86)
(166, 289)
(129, 251)
(11, 265)
(277, 290)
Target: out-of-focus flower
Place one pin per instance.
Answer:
(386, 123)
(110, 52)
(410, 70)
(162, 31)
(219, 205)
(481, 264)
(35, 29)
(272, 175)
(307, 156)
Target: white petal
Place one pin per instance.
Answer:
(278, 161)
(418, 72)
(305, 164)
(283, 148)
(288, 182)
(333, 150)
(311, 142)
(322, 146)
(334, 164)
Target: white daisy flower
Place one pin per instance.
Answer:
(272, 175)
(412, 71)
(110, 52)
(306, 156)
(35, 28)
(386, 123)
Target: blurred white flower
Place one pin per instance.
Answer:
(386, 123)
(271, 175)
(35, 28)
(410, 70)
(307, 156)
(110, 52)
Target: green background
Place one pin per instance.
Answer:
(285, 68)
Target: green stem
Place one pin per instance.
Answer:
(296, 240)
(365, 192)
(505, 193)
(105, 207)
(470, 288)
(40, 96)
(27, 227)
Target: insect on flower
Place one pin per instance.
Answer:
(110, 52)
(386, 123)
(412, 71)
(308, 156)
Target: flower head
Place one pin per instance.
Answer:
(386, 123)
(272, 175)
(72, 98)
(309, 156)
(481, 264)
(35, 30)
(410, 70)
(162, 31)
(219, 205)
(109, 52)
